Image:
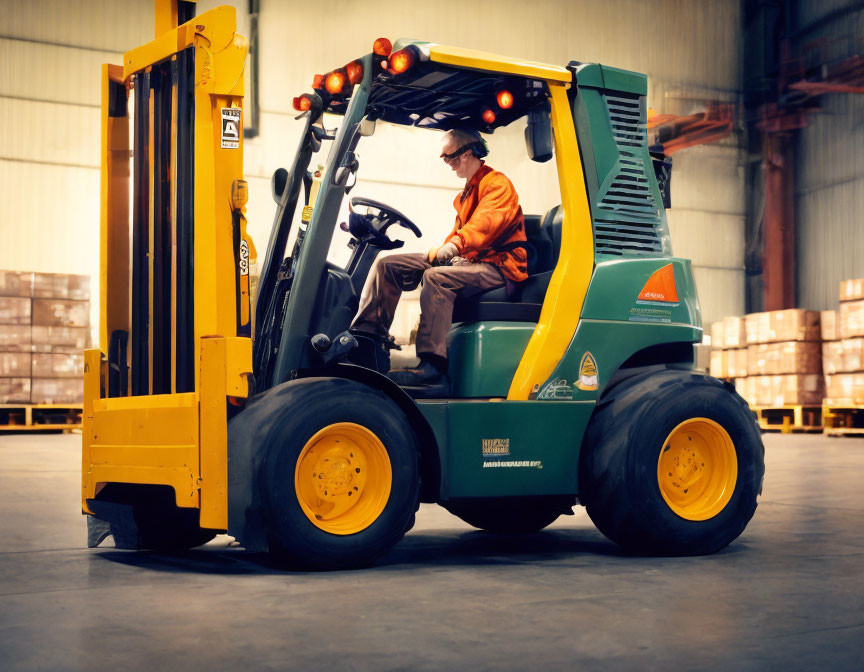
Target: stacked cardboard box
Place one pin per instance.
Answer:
(729, 354)
(15, 343)
(44, 327)
(774, 357)
(843, 349)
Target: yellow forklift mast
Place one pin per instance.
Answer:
(175, 318)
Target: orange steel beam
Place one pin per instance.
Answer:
(820, 88)
(696, 129)
(845, 77)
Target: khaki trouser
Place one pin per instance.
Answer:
(441, 285)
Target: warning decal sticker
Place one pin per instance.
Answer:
(230, 127)
(496, 449)
(588, 379)
(244, 257)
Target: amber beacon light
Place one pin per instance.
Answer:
(505, 99)
(334, 82)
(239, 194)
(302, 103)
(382, 47)
(355, 72)
(402, 61)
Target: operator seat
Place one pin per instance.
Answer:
(527, 299)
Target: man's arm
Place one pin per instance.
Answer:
(497, 207)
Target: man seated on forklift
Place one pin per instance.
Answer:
(485, 249)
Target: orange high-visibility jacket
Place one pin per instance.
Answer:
(488, 213)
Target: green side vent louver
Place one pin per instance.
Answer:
(628, 218)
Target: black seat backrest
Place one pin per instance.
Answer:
(541, 245)
(544, 234)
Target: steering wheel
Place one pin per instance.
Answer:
(361, 228)
(386, 214)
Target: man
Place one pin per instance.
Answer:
(481, 252)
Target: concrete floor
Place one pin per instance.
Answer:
(788, 595)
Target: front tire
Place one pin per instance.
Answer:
(672, 464)
(339, 479)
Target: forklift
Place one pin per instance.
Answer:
(211, 408)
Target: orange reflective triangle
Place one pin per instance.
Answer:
(660, 286)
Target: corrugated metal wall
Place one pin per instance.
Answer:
(829, 189)
(50, 51)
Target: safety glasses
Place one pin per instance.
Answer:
(455, 155)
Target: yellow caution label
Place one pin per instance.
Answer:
(588, 379)
(307, 214)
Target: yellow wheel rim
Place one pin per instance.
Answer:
(343, 478)
(697, 469)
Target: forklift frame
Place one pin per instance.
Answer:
(158, 427)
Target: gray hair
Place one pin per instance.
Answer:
(462, 137)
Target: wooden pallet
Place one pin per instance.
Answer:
(39, 417)
(843, 418)
(788, 419)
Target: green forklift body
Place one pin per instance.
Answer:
(507, 448)
(483, 357)
(539, 440)
(492, 446)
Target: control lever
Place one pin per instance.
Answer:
(321, 343)
(322, 133)
(336, 349)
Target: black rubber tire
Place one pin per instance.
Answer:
(622, 444)
(298, 413)
(511, 515)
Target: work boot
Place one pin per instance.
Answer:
(425, 374)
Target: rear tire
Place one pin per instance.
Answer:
(339, 480)
(643, 486)
(513, 515)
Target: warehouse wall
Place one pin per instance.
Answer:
(50, 51)
(829, 193)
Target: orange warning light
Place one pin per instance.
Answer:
(334, 82)
(401, 61)
(382, 47)
(355, 72)
(318, 82)
(505, 99)
(302, 103)
(660, 286)
(488, 116)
